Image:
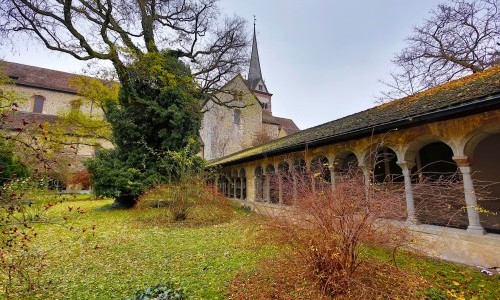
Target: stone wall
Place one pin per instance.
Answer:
(55, 102)
(220, 135)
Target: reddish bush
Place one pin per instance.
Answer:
(82, 178)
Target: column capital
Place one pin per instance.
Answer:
(405, 164)
(362, 166)
(462, 161)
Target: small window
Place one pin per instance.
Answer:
(38, 104)
(260, 87)
(237, 116)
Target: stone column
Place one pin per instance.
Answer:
(250, 183)
(313, 183)
(242, 187)
(267, 188)
(410, 203)
(280, 188)
(470, 196)
(295, 192)
(366, 175)
(216, 184)
(331, 161)
(235, 188)
(332, 176)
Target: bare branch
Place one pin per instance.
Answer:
(459, 38)
(121, 30)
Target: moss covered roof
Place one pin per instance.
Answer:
(447, 96)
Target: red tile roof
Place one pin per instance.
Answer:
(31, 76)
(288, 125)
(268, 118)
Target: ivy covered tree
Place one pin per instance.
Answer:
(157, 115)
(118, 31)
(170, 57)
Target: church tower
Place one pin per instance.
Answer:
(254, 80)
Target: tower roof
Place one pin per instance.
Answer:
(254, 72)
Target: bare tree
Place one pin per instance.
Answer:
(459, 38)
(120, 30)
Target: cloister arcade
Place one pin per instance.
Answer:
(461, 151)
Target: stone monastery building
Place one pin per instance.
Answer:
(246, 122)
(249, 120)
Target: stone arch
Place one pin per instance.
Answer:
(299, 167)
(259, 183)
(410, 152)
(471, 140)
(482, 149)
(320, 170)
(225, 185)
(435, 160)
(271, 187)
(270, 169)
(285, 182)
(301, 180)
(221, 185)
(233, 175)
(368, 155)
(438, 190)
(243, 184)
(385, 167)
(345, 162)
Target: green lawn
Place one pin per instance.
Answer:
(128, 251)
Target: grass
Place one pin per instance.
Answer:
(127, 254)
(448, 280)
(130, 250)
(412, 277)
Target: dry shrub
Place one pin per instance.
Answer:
(327, 226)
(279, 278)
(441, 201)
(190, 198)
(289, 278)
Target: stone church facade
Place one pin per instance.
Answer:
(247, 120)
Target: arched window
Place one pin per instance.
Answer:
(38, 104)
(237, 117)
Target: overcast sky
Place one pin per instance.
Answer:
(321, 59)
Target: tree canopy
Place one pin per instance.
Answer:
(121, 30)
(459, 37)
(157, 117)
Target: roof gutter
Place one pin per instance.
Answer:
(471, 107)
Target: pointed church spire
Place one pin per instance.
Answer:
(254, 71)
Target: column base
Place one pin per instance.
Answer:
(412, 221)
(479, 230)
